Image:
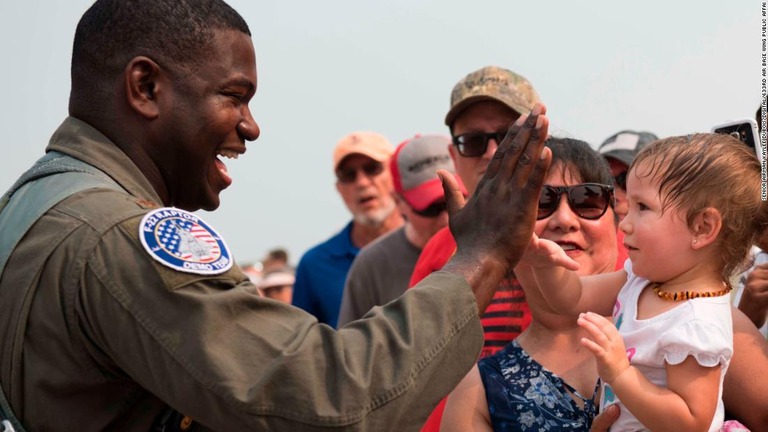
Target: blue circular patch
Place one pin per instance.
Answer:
(184, 242)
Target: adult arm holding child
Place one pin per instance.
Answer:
(754, 299)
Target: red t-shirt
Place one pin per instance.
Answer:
(504, 319)
(507, 315)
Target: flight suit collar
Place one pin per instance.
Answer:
(82, 141)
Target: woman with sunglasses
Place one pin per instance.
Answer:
(694, 211)
(544, 379)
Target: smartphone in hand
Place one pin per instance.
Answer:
(744, 130)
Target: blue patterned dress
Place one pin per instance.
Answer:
(523, 396)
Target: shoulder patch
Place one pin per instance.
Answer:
(182, 241)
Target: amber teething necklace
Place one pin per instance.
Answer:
(687, 295)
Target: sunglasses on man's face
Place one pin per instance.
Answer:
(587, 200)
(474, 144)
(349, 174)
(434, 210)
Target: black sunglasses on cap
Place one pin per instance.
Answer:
(349, 175)
(587, 200)
(474, 144)
(434, 210)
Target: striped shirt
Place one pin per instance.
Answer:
(507, 315)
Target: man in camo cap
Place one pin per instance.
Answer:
(484, 104)
(492, 83)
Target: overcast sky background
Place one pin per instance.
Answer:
(332, 67)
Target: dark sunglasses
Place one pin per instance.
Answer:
(434, 210)
(474, 144)
(621, 180)
(587, 200)
(349, 175)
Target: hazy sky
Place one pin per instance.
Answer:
(328, 68)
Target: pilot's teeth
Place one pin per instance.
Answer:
(229, 154)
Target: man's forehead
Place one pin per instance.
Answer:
(230, 58)
(356, 159)
(565, 172)
(485, 111)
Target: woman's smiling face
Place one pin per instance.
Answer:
(591, 243)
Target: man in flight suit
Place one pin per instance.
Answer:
(118, 304)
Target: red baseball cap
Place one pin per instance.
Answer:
(414, 167)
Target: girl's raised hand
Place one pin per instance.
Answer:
(606, 344)
(542, 253)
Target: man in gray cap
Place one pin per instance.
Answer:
(381, 271)
(619, 150)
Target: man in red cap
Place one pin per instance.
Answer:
(382, 270)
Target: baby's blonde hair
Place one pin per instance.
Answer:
(711, 170)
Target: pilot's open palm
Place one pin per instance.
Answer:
(496, 222)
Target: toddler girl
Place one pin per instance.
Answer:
(694, 211)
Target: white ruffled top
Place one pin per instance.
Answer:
(701, 328)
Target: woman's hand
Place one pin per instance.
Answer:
(605, 419)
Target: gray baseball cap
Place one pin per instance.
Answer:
(624, 145)
(414, 165)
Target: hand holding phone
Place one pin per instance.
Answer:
(744, 130)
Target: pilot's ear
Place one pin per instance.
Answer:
(142, 86)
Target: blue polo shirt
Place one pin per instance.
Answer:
(321, 274)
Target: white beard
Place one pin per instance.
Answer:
(375, 218)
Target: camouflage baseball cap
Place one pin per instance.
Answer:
(492, 83)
